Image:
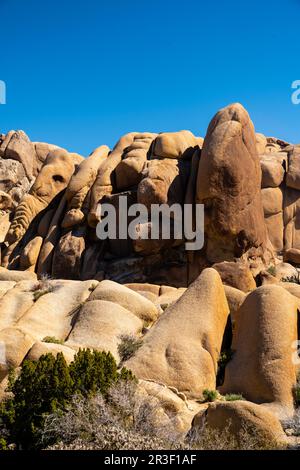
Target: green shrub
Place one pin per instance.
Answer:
(48, 385)
(224, 358)
(272, 270)
(209, 395)
(128, 346)
(233, 397)
(3, 444)
(52, 339)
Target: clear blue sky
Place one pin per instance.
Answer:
(80, 74)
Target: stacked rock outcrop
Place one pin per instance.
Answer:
(59, 280)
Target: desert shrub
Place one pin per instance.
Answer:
(3, 444)
(130, 420)
(215, 439)
(224, 358)
(48, 385)
(124, 421)
(233, 397)
(128, 346)
(209, 395)
(52, 339)
(43, 286)
(272, 270)
(293, 424)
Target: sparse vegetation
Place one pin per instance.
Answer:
(128, 346)
(272, 270)
(233, 397)
(214, 439)
(293, 424)
(52, 339)
(44, 286)
(210, 395)
(48, 385)
(125, 420)
(224, 358)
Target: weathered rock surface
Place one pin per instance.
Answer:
(240, 417)
(262, 367)
(229, 181)
(101, 324)
(182, 348)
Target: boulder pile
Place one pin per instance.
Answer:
(62, 288)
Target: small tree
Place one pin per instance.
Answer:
(48, 385)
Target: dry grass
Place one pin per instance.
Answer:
(130, 420)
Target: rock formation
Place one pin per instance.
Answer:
(184, 309)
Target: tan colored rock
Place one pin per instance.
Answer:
(229, 181)
(182, 349)
(54, 311)
(43, 149)
(100, 325)
(134, 157)
(16, 276)
(14, 344)
(175, 145)
(275, 228)
(265, 332)
(285, 270)
(40, 348)
(174, 405)
(292, 255)
(168, 299)
(30, 254)
(235, 298)
(5, 141)
(136, 286)
(46, 253)
(52, 179)
(4, 226)
(20, 148)
(13, 180)
(5, 286)
(273, 169)
(162, 184)
(292, 288)
(242, 416)
(291, 220)
(44, 224)
(6, 202)
(16, 302)
(80, 184)
(261, 143)
(236, 274)
(268, 278)
(272, 199)
(127, 298)
(165, 182)
(103, 184)
(293, 173)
